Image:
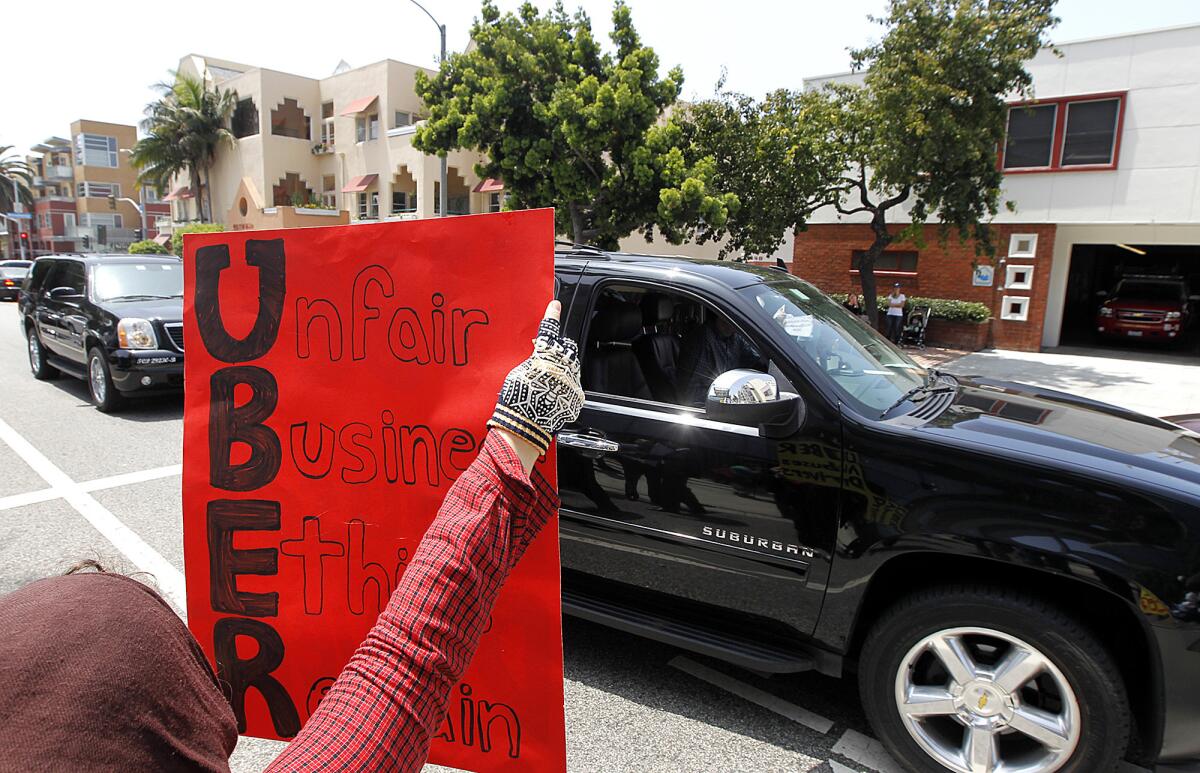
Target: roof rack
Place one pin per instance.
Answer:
(1173, 277)
(574, 248)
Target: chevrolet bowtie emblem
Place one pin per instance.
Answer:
(983, 700)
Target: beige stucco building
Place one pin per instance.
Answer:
(319, 151)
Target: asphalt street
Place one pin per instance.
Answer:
(81, 484)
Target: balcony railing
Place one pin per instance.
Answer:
(59, 172)
(103, 236)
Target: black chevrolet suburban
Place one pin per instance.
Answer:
(1011, 573)
(115, 321)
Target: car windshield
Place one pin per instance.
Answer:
(13, 271)
(869, 372)
(1149, 291)
(138, 281)
(15, 264)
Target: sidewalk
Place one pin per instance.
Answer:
(1154, 383)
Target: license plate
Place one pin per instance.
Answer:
(1134, 333)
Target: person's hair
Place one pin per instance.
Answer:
(87, 564)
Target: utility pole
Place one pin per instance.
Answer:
(441, 29)
(17, 209)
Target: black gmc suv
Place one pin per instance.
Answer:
(115, 321)
(1013, 573)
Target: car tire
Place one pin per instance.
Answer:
(1074, 685)
(41, 370)
(104, 395)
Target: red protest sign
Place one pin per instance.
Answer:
(338, 381)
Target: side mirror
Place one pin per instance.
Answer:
(63, 292)
(753, 399)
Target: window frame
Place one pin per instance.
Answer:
(1058, 140)
(593, 398)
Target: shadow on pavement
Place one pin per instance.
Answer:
(1190, 356)
(144, 408)
(1055, 375)
(637, 670)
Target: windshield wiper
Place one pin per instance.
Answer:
(928, 388)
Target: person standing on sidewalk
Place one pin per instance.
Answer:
(101, 674)
(895, 313)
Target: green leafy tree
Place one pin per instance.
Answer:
(184, 129)
(569, 126)
(14, 174)
(921, 132)
(148, 247)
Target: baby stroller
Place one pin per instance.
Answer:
(914, 327)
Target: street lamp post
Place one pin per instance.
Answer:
(17, 200)
(441, 29)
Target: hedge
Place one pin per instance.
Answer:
(194, 228)
(940, 308)
(147, 247)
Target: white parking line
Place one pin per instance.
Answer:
(124, 539)
(99, 484)
(752, 694)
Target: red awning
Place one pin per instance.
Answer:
(178, 193)
(360, 183)
(489, 186)
(357, 106)
(163, 239)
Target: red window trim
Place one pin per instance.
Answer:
(1060, 124)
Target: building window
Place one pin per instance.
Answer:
(1018, 277)
(245, 118)
(328, 192)
(96, 150)
(1014, 308)
(1022, 246)
(150, 195)
(326, 110)
(327, 132)
(368, 205)
(1030, 136)
(403, 118)
(288, 120)
(495, 202)
(1068, 133)
(90, 219)
(889, 261)
(403, 202)
(96, 190)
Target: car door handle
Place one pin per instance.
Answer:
(588, 442)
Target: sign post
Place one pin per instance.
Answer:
(338, 381)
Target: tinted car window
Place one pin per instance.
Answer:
(71, 276)
(137, 281)
(37, 276)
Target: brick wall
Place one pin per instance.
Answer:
(822, 256)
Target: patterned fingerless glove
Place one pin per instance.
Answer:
(542, 394)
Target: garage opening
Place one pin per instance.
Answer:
(1152, 292)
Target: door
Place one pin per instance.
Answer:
(660, 501)
(66, 314)
(48, 311)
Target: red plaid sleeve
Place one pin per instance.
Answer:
(386, 705)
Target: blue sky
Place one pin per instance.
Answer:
(77, 62)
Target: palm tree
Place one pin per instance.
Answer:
(184, 130)
(16, 178)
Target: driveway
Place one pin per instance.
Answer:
(1154, 383)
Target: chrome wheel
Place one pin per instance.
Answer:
(981, 701)
(97, 379)
(35, 353)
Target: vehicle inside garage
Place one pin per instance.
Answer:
(1153, 276)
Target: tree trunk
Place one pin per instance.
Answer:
(194, 179)
(208, 190)
(866, 267)
(577, 227)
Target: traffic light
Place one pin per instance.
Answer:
(25, 239)
(87, 242)
(112, 201)
(137, 234)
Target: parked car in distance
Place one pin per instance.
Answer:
(115, 321)
(12, 275)
(1147, 307)
(1010, 572)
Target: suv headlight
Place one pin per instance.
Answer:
(136, 334)
(1174, 315)
(1105, 311)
